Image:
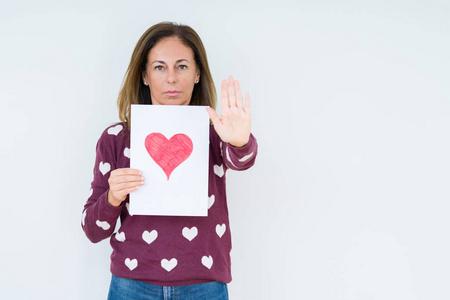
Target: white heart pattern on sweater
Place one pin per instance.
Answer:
(120, 236)
(207, 261)
(228, 157)
(211, 201)
(128, 208)
(218, 170)
(103, 224)
(149, 237)
(190, 234)
(220, 229)
(104, 167)
(83, 217)
(168, 265)
(131, 263)
(126, 152)
(245, 157)
(115, 130)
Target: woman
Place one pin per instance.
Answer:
(163, 256)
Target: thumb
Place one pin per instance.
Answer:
(213, 116)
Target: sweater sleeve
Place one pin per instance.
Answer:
(99, 217)
(240, 158)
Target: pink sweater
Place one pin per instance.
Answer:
(165, 250)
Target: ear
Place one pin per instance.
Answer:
(197, 69)
(144, 78)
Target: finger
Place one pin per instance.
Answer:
(239, 100)
(130, 178)
(247, 103)
(125, 176)
(119, 183)
(213, 116)
(122, 195)
(224, 96)
(128, 191)
(123, 171)
(231, 92)
(126, 185)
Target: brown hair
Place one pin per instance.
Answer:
(133, 90)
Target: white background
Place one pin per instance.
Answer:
(349, 198)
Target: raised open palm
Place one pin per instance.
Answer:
(235, 120)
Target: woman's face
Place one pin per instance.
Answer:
(171, 72)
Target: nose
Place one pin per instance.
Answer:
(171, 76)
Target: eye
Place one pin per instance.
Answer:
(158, 68)
(182, 67)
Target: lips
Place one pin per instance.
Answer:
(172, 93)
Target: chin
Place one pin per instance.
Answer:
(171, 101)
(175, 102)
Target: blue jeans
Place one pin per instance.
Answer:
(124, 289)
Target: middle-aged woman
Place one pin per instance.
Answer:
(168, 257)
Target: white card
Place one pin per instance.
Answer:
(170, 145)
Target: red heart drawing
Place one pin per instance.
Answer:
(168, 154)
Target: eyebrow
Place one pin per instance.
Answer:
(163, 62)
